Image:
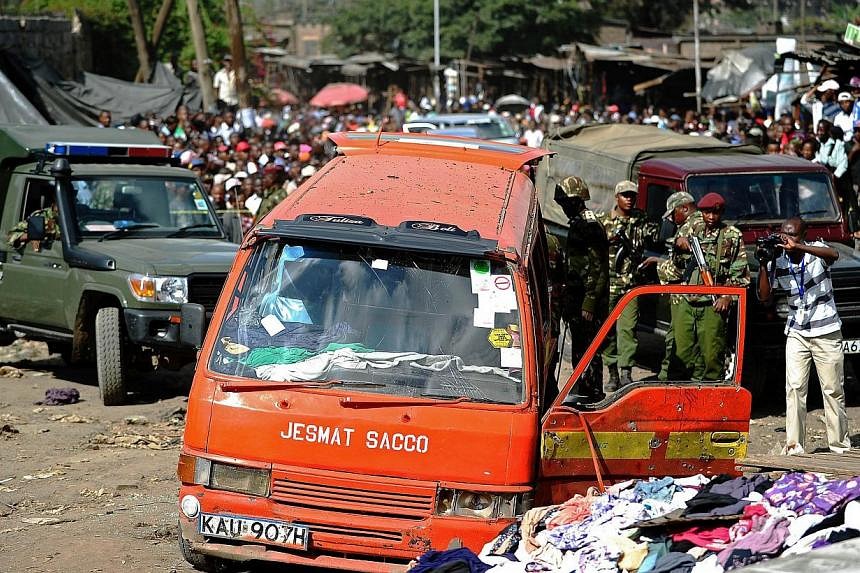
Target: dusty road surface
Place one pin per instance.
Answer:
(86, 489)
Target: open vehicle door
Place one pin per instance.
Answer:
(650, 427)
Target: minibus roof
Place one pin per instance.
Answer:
(472, 184)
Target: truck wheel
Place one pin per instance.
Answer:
(202, 562)
(110, 356)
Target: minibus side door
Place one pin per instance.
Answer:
(649, 428)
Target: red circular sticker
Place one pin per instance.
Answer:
(502, 283)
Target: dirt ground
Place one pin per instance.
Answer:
(86, 489)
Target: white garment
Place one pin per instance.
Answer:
(224, 83)
(317, 367)
(846, 122)
(533, 137)
(252, 203)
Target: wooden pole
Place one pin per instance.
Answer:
(157, 31)
(205, 78)
(145, 69)
(237, 47)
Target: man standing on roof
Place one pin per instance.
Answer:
(628, 231)
(700, 321)
(680, 208)
(584, 300)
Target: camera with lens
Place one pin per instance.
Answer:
(768, 248)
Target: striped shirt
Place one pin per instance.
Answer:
(812, 308)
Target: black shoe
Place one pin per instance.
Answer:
(624, 378)
(612, 383)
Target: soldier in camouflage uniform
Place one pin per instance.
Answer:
(273, 193)
(699, 322)
(680, 208)
(18, 235)
(584, 298)
(628, 231)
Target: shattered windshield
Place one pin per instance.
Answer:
(107, 207)
(411, 324)
(769, 196)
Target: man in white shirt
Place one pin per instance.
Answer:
(845, 117)
(813, 330)
(533, 135)
(818, 98)
(224, 83)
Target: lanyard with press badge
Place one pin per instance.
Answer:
(801, 287)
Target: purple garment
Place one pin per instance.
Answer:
(809, 493)
(433, 560)
(764, 540)
(741, 487)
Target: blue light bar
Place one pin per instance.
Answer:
(104, 150)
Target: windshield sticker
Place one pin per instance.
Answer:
(479, 272)
(272, 325)
(484, 317)
(199, 201)
(233, 347)
(514, 331)
(381, 264)
(293, 253)
(500, 338)
(498, 300)
(511, 357)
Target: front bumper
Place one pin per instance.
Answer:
(358, 542)
(155, 328)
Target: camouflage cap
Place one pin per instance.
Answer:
(676, 200)
(626, 187)
(573, 186)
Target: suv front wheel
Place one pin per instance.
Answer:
(110, 351)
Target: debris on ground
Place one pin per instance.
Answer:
(10, 372)
(72, 419)
(136, 420)
(60, 397)
(7, 431)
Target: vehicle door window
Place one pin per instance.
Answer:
(674, 338)
(39, 194)
(655, 204)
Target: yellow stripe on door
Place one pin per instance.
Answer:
(638, 445)
(611, 445)
(707, 445)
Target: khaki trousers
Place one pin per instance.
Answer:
(826, 352)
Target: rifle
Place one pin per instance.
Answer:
(704, 269)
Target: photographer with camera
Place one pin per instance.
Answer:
(813, 329)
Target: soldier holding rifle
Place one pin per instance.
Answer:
(700, 321)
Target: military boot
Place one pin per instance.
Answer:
(612, 383)
(625, 378)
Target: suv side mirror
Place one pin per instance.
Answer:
(36, 228)
(192, 327)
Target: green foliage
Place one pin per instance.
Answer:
(114, 52)
(473, 28)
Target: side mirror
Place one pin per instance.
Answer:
(36, 228)
(192, 327)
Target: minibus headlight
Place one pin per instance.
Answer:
(481, 504)
(215, 475)
(242, 480)
(159, 289)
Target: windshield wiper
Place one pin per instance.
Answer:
(229, 387)
(817, 212)
(123, 230)
(428, 399)
(182, 230)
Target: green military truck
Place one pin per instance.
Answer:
(102, 239)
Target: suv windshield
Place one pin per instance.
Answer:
(769, 196)
(410, 324)
(148, 206)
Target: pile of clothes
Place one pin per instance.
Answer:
(693, 524)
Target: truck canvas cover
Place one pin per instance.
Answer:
(604, 154)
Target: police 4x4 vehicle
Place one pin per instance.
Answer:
(103, 240)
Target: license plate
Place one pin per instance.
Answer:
(851, 346)
(281, 533)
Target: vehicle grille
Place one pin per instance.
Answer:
(205, 289)
(348, 495)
